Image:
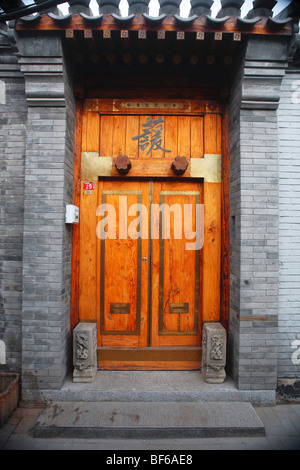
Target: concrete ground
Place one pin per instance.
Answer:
(282, 425)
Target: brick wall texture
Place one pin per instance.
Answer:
(13, 119)
(289, 227)
(47, 244)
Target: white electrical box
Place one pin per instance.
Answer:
(72, 214)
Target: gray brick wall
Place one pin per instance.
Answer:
(12, 157)
(47, 240)
(254, 248)
(234, 195)
(259, 248)
(289, 227)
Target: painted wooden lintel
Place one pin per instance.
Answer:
(93, 166)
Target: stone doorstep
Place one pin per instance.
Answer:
(150, 386)
(150, 405)
(146, 420)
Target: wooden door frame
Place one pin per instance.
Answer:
(225, 221)
(74, 310)
(224, 287)
(181, 357)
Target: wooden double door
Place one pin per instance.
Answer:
(150, 273)
(147, 257)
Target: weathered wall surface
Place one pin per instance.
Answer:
(47, 243)
(13, 119)
(289, 227)
(36, 182)
(254, 245)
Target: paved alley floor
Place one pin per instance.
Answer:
(282, 425)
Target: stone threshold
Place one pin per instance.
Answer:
(146, 420)
(150, 386)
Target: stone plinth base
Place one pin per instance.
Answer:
(214, 353)
(85, 352)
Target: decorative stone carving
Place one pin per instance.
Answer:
(85, 352)
(214, 352)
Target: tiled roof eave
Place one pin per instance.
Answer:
(134, 22)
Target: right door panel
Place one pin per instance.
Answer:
(176, 264)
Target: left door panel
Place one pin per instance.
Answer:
(122, 231)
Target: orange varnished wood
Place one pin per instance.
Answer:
(184, 136)
(87, 295)
(212, 252)
(179, 275)
(92, 132)
(184, 107)
(120, 268)
(224, 314)
(74, 314)
(212, 227)
(171, 134)
(212, 134)
(191, 135)
(88, 307)
(106, 135)
(197, 137)
(119, 135)
(132, 129)
(151, 167)
(84, 129)
(178, 136)
(157, 365)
